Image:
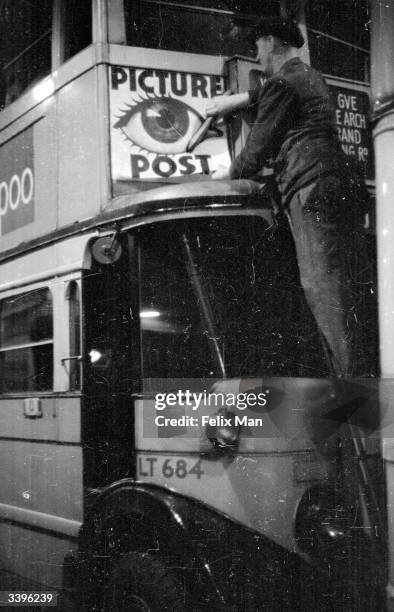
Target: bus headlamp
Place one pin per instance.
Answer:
(107, 250)
(224, 434)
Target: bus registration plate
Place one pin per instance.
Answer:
(169, 467)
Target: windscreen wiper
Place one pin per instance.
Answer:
(204, 305)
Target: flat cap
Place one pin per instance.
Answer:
(284, 29)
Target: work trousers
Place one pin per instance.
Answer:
(336, 271)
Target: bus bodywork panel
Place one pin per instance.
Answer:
(40, 552)
(58, 420)
(44, 478)
(53, 262)
(41, 500)
(81, 165)
(54, 159)
(41, 506)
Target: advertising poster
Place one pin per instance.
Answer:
(17, 183)
(154, 116)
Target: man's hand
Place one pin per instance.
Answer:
(223, 105)
(219, 106)
(220, 174)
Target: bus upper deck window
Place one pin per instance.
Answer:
(25, 45)
(194, 26)
(78, 26)
(26, 342)
(338, 38)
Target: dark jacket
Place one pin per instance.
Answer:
(294, 127)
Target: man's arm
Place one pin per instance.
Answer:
(223, 105)
(276, 112)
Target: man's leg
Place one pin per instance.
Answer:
(333, 270)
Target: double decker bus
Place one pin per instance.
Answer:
(170, 435)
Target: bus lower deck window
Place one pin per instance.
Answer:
(26, 342)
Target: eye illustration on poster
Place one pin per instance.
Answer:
(160, 125)
(154, 116)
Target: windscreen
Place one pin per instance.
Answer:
(222, 297)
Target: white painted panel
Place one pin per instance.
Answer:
(14, 424)
(42, 477)
(35, 556)
(59, 259)
(79, 149)
(60, 421)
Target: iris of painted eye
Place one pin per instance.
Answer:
(166, 120)
(160, 125)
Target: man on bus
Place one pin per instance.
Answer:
(322, 197)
